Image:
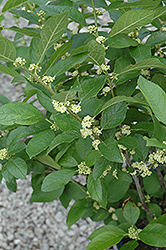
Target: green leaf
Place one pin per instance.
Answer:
(95, 189)
(75, 191)
(10, 4)
(156, 209)
(57, 179)
(131, 245)
(90, 87)
(153, 142)
(114, 115)
(161, 220)
(20, 113)
(141, 3)
(117, 99)
(4, 100)
(40, 196)
(68, 161)
(97, 52)
(32, 50)
(132, 71)
(106, 240)
(140, 52)
(45, 101)
(39, 143)
(64, 65)
(83, 147)
(128, 141)
(110, 150)
(67, 137)
(92, 157)
(53, 29)
(76, 212)
(74, 14)
(160, 80)
(130, 20)
(6, 174)
(66, 122)
(141, 150)
(26, 31)
(7, 50)
(149, 188)
(157, 37)
(121, 41)
(12, 185)
(131, 212)
(57, 54)
(8, 71)
(46, 159)
(17, 167)
(155, 96)
(99, 167)
(16, 148)
(154, 235)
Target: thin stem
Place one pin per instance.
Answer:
(95, 17)
(39, 81)
(161, 179)
(74, 115)
(139, 190)
(111, 87)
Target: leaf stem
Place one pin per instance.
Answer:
(138, 186)
(95, 17)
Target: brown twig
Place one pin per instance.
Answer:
(161, 179)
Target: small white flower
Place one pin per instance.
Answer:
(95, 144)
(19, 62)
(100, 39)
(75, 108)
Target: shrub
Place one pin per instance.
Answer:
(105, 102)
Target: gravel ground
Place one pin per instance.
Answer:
(26, 226)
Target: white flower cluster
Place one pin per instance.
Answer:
(101, 39)
(96, 205)
(75, 73)
(57, 46)
(134, 233)
(105, 90)
(75, 108)
(158, 157)
(41, 15)
(4, 154)
(98, 12)
(103, 68)
(25, 9)
(163, 28)
(53, 127)
(48, 79)
(59, 106)
(86, 126)
(142, 169)
(114, 217)
(125, 130)
(34, 68)
(84, 74)
(108, 168)
(83, 169)
(95, 144)
(74, 31)
(65, 56)
(19, 62)
(112, 210)
(62, 107)
(92, 28)
(114, 173)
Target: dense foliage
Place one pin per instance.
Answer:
(102, 89)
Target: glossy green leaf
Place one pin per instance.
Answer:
(154, 235)
(68, 161)
(57, 179)
(26, 31)
(99, 167)
(39, 143)
(76, 212)
(46, 159)
(128, 141)
(131, 212)
(121, 41)
(161, 220)
(75, 191)
(90, 87)
(149, 188)
(83, 147)
(155, 96)
(12, 185)
(105, 240)
(40, 196)
(66, 122)
(114, 115)
(140, 52)
(153, 142)
(57, 54)
(16, 148)
(17, 167)
(7, 50)
(8, 71)
(157, 37)
(95, 189)
(20, 113)
(67, 137)
(92, 157)
(110, 150)
(53, 29)
(141, 150)
(4, 100)
(130, 20)
(130, 245)
(6, 174)
(10, 4)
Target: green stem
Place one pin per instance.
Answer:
(95, 17)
